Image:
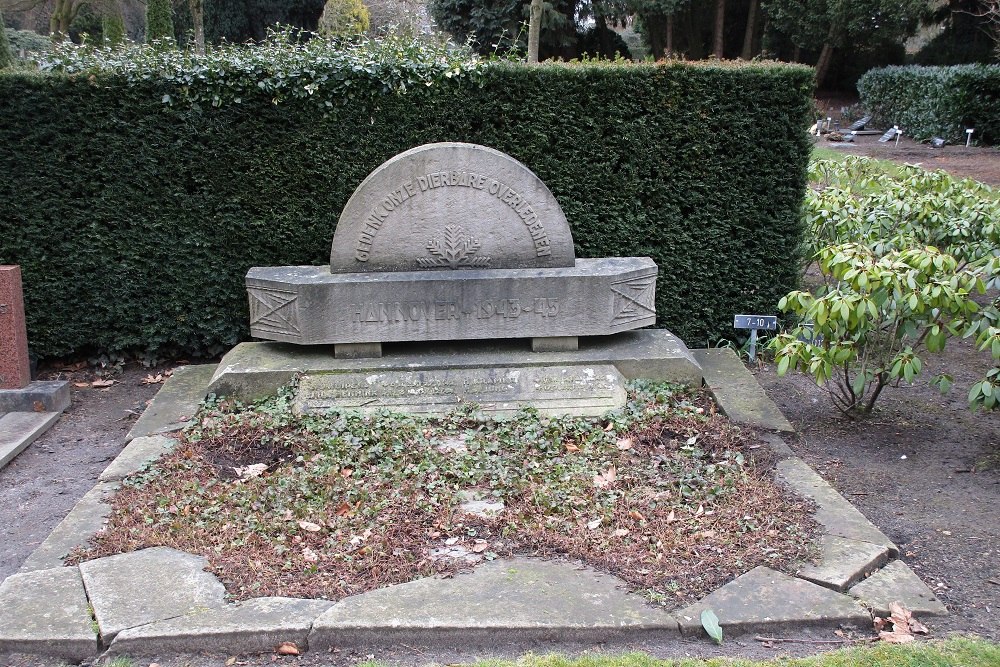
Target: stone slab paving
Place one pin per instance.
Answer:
(897, 583)
(86, 518)
(763, 600)
(844, 562)
(253, 626)
(837, 516)
(175, 403)
(499, 602)
(46, 612)
(138, 454)
(20, 429)
(133, 589)
(737, 391)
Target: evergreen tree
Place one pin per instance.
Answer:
(6, 57)
(159, 21)
(113, 25)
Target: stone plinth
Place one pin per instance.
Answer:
(252, 371)
(450, 206)
(310, 306)
(15, 370)
(578, 390)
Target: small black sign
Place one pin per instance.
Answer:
(860, 124)
(768, 322)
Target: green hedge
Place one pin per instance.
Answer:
(936, 101)
(135, 220)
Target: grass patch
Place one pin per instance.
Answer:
(955, 652)
(663, 493)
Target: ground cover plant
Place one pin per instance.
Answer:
(906, 259)
(663, 493)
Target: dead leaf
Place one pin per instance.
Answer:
(895, 637)
(622, 532)
(231, 661)
(637, 515)
(310, 526)
(701, 510)
(38, 406)
(346, 472)
(287, 648)
(594, 525)
(624, 443)
(82, 385)
(344, 508)
(571, 448)
(480, 546)
(839, 633)
(671, 517)
(450, 541)
(102, 384)
(310, 555)
(918, 628)
(152, 379)
(606, 478)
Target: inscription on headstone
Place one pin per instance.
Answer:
(15, 369)
(562, 390)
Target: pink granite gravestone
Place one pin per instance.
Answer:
(15, 371)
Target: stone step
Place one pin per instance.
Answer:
(176, 402)
(737, 391)
(20, 429)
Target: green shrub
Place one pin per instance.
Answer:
(28, 42)
(139, 191)
(343, 18)
(6, 56)
(936, 101)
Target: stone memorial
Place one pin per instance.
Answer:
(441, 244)
(15, 368)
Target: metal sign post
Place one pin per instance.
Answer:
(755, 323)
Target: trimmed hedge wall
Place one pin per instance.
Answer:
(936, 101)
(135, 221)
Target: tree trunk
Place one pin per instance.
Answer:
(694, 42)
(720, 28)
(748, 36)
(603, 45)
(823, 64)
(62, 16)
(670, 36)
(198, 19)
(534, 30)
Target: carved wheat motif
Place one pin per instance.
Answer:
(455, 250)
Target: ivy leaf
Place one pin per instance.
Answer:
(710, 622)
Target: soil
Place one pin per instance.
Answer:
(920, 469)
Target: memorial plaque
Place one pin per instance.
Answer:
(577, 390)
(15, 368)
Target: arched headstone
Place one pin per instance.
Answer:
(451, 206)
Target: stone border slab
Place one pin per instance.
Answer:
(837, 516)
(83, 521)
(46, 612)
(133, 589)
(897, 583)
(253, 626)
(176, 402)
(737, 391)
(500, 602)
(762, 600)
(20, 429)
(38, 396)
(844, 562)
(138, 454)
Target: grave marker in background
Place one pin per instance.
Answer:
(15, 369)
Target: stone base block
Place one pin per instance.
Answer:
(357, 350)
(555, 344)
(38, 396)
(251, 371)
(309, 305)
